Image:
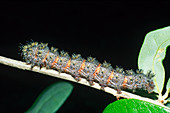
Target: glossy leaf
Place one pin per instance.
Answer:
(51, 99)
(134, 106)
(153, 53)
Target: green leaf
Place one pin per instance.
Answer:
(168, 104)
(134, 106)
(153, 53)
(51, 99)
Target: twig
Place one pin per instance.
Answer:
(54, 73)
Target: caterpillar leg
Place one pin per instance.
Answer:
(91, 82)
(74, 74)
(102, 88)
(32, 65)
(77, 78)
(118, 92)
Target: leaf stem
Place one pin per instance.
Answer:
(54, 73)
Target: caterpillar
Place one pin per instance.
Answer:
(39, 54)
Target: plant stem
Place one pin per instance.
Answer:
(54, 73)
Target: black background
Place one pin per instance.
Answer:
(111, 31)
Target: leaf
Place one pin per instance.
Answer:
(168, 104)
(153, 53)
(134, 106)
(51, 99)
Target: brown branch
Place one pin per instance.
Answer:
(50, 72)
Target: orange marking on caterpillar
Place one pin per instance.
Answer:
(97, 70)
(110, 77)
(36, 52)
(124, 82)
(82, 66)
(68, 64)
(55, 61)
(46, 56)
